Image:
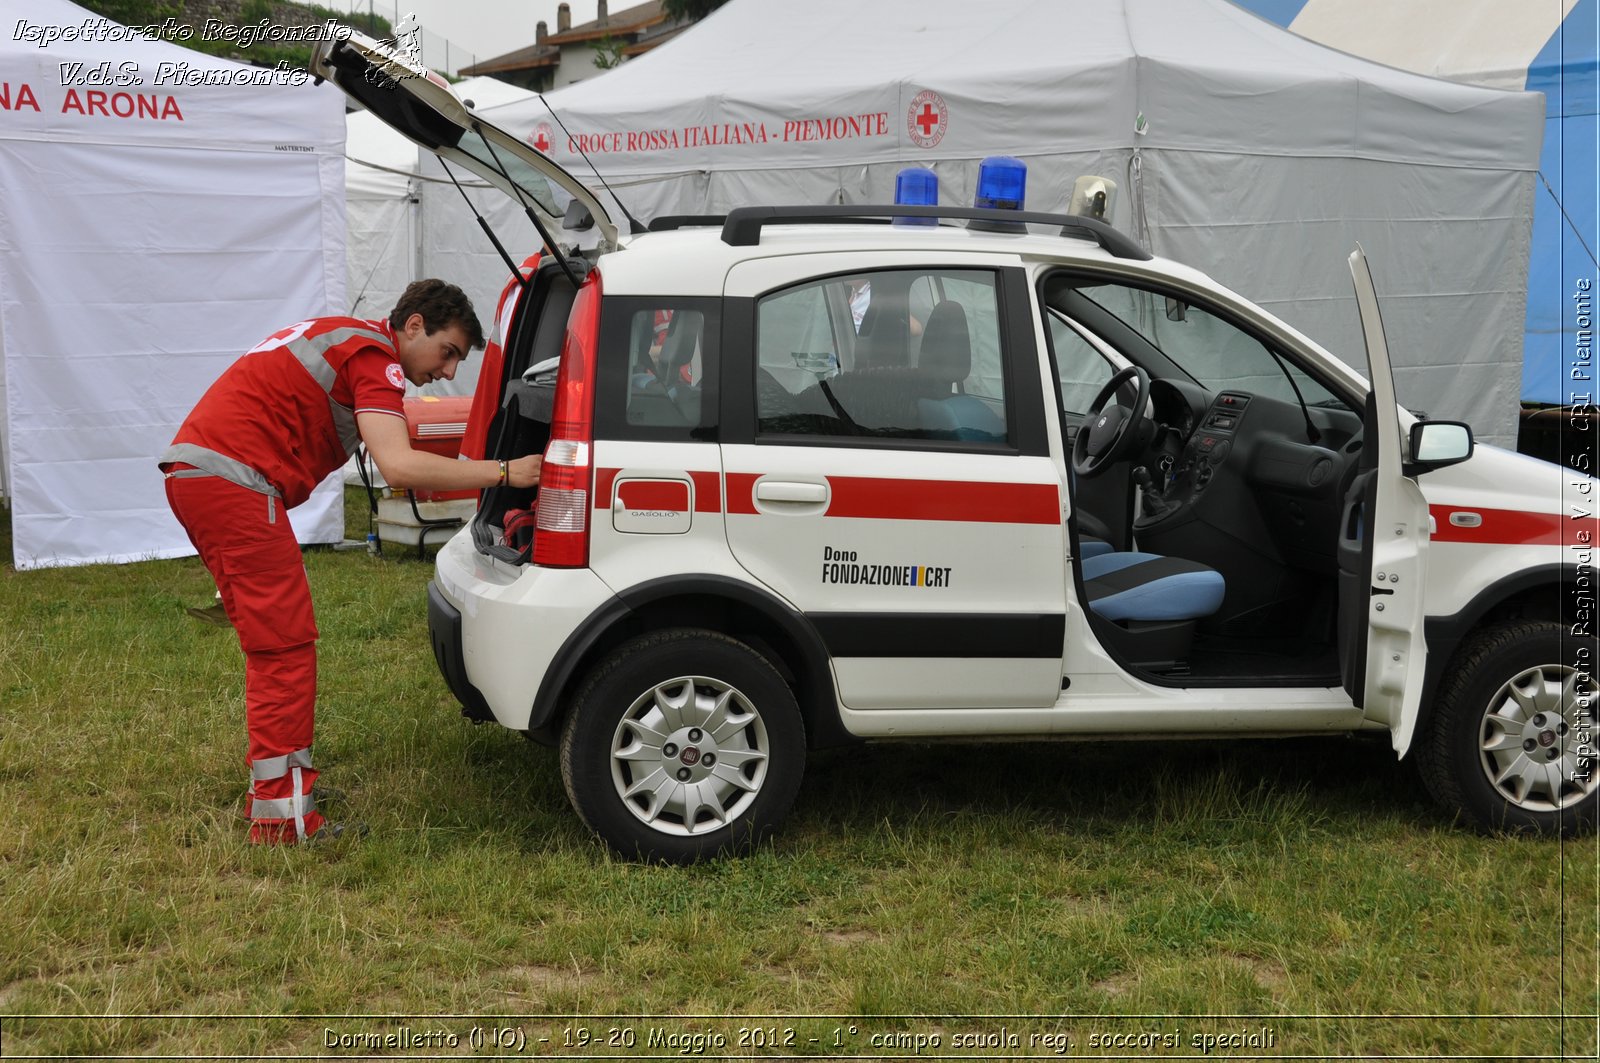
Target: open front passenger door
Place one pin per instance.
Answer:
(1383, 542)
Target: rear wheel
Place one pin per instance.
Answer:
(682, 745)
(1512, 741)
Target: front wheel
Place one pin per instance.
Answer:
(682, 745)
(1512, 739)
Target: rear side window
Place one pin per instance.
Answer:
(896, 354)
(657, 369)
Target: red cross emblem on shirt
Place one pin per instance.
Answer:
(927, 119)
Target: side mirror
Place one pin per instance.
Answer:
(1435, 444)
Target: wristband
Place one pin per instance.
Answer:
(502, 472)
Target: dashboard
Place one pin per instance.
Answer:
(1259, 474)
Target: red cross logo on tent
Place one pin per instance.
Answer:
(541, 137)
(927, 118)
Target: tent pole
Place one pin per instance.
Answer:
(414, 219)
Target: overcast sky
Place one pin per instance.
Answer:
(484, 27)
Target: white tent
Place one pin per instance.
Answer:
(150, 232)
(1548, 45)
(1238, 148)
(389, 189)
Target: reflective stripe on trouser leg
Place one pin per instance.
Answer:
(278, 767)
(299, 800)
(283, 808)
(280, 712)
(270, 770)
(262, 579)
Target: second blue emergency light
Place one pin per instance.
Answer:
(1002, 185)
(916, 186)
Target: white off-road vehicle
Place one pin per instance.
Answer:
(812, 477)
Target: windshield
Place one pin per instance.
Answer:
(1208, 348)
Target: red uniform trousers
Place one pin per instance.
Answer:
(246, 542)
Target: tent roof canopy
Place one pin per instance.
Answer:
(1078, 77)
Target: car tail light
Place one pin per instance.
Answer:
(561, 514)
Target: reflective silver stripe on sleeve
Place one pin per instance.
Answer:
(311, 353)
(282, 807)
(269, 768)
(230, 469)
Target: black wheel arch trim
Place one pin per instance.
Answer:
(1444, 634)
(817, 702)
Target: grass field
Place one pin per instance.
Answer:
(1304, 892)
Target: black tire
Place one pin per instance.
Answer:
(1511, 743)
(637, 770)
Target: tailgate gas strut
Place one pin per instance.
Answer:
(487, 231)
(533, 216)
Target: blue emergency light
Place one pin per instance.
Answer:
(1002, 185)
(916, 186)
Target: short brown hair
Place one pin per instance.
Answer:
(441, 305)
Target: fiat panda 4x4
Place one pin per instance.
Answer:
(812, 477)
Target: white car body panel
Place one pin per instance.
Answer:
(506, 650)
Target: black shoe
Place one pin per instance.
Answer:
(337, 833)
(325, 794)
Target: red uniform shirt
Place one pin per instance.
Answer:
(286, 410)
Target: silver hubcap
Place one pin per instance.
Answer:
(1538, 736)
(689, 755)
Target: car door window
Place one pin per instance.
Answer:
(890, 354)
(1081, 370)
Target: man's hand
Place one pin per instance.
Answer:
(524, 472)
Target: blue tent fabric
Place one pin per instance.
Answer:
(1564, 215)
(1562, 269)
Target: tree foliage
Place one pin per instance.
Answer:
(608, 52)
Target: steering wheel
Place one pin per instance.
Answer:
(1111, 433)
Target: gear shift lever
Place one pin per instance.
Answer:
(1155, 504)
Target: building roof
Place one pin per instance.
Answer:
(533, 57)
(644, 25)
(619, 24)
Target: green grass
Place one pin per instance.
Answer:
(913, 885)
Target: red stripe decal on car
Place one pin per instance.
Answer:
(953, 500)
(1500, 526)
(742, 492)
(878, 498)
(668, 496)
(707, 491)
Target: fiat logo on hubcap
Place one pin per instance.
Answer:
(1547, 738)
(690, 756)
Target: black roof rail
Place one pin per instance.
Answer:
(743, 225)
(685, 221)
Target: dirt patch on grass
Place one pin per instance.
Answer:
(539, 980)
(1268, 974)
(1117, 985)
(850, 937)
